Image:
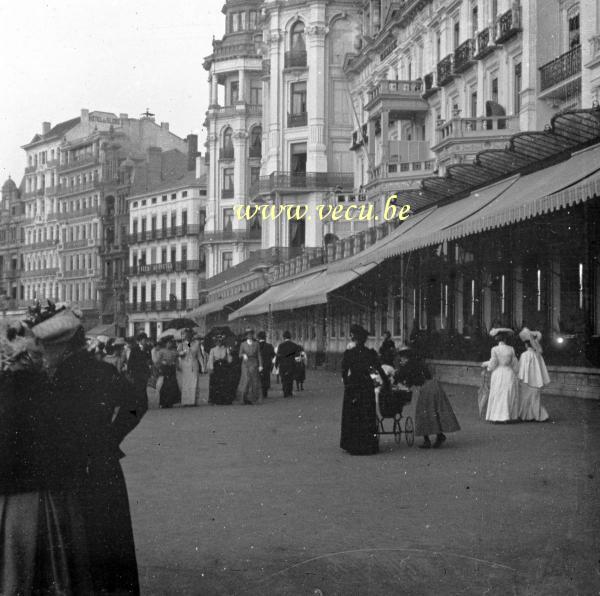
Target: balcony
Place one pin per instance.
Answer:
(75, 273)
(239, 109)
(290, 182)
(401, 98)
(164, 233)
(232, 235)
(295, 120)
(226, 153)
(177, 267)
(484, 44)
(63, 190)
(508, 24)
(88, 211)
(30, 169)
(464, 56)
(40, 272)
(52, 163)
(40, 245)
(462, 138)
(164, 305)
(359, 138)
(73, 164)
(81, 243)
(295, 59)
(429, 85)
(561, 76)
(234, 50)
(445, 70)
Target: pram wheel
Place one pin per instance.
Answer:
(409, 431)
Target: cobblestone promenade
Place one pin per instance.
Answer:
(249, 500)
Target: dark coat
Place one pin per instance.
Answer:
(91, 433)
(387, 351)
(139, 365)
(286, 354)
(267, 352)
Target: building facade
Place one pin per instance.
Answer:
(167, 263)
(76, 181)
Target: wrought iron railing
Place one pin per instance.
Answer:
(167, 305)
(560, 69)
(73, 163)
(303, 180)
(398, 88)
(295, 58)
(484, 44)
(177, 266)
(508, 24)
(464, 55)
(294, 120)
(61, 215)
(223, 235)
(445, 70)
(473, 127)
(163, 233)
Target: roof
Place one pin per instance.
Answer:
(56, 131)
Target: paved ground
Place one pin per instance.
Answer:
(251, 500)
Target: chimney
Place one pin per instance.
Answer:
(201, 167)
(85, 115)
(192, 147)
(164, 125)
(46, 128)
(154, 166)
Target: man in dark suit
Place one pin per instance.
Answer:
(286, 362)
(267, 352)
(139, 364)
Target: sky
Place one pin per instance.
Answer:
(119, 56)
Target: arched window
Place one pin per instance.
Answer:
(227, 149)
(256, 142)
(297, 42)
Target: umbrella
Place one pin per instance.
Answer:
(174, 333)
(181, 324)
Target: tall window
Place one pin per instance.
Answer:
(474, 104)
(438, 48)
(227, 260)
(517, 89)
(227, 220)
(474, 18)
(254, 175)
(494, 9)
(298, 158)
(256, 142)
(255, 96)
(297, 42)
(494, 89)
(227, 150)
(456, 33)
(234, 92)
(298, 98)
(253, 19)
(574, 38)
(228, 180)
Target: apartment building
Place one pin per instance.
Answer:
(167, 262)
(78, 176)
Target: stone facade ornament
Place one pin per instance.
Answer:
(317, 30)
(240, 134)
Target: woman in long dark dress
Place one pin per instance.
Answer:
(359, 415)
(219, 369)
(167, 362)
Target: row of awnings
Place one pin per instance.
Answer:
(511, 200)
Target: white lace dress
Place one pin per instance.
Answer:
(503, 402)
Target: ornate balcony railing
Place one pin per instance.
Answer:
(477, 127)
(75, 273)
(295, 58)
(95, 211)
(64, 190)
(484, 44)
(52, 163)
(309, 180)
(30, 169)
(163, 233)
(445, 70)
(562, 68)
(429, 84)
(234, 50)
(178, 266)
(233, 235)
(508, 24)
(40, 245)
(388, 50)
(40, 272)
(226, 153)
(294, 120)
(162, 305)
(72, 164)
(464, 55)
(81, 243)
(398, 88)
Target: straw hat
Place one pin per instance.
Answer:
(533, 337)
(58, 329)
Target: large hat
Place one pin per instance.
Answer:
(497, 330)
(59, 328)
(533, 337)
(358, 331)
(249, 331)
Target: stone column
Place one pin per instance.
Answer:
(214, 91)
(275, 113)
(240, 140)
(316, 160)
(554, 287)
(517, 297)
(241, 86)
(385, 149)
(486, 298)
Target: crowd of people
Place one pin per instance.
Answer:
(510, 390)
(239, 368)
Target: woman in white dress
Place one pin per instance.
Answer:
(533, 375)
(503, 401)
(190, 368)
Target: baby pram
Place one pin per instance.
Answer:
(390, 403)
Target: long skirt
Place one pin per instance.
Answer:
(219, 384)
(433, 413)
(43, 546)
(359, 421)
(249, 390)
(530, 407)
(105, 506)
(265, 380)
(189, 383)
(503, 404)
(169, 392)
